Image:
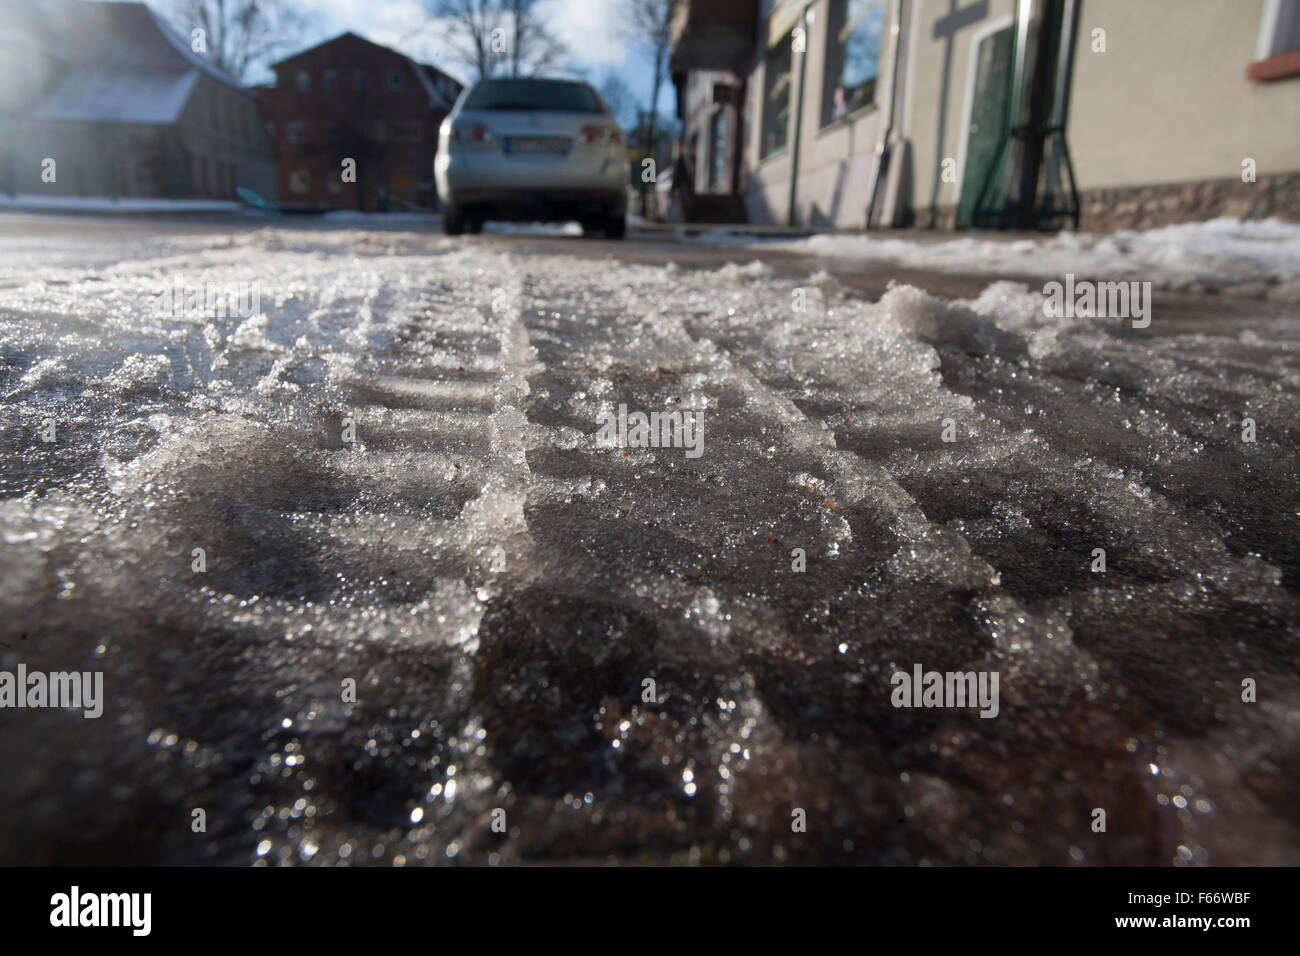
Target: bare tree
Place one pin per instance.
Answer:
(500, 37)
(238, 34)
(618, 96)
(649, 23)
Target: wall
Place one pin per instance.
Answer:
(399, 167)
(1169, 100)
(1166, 106)
(835, 161)
(934, 103)
(234, 137)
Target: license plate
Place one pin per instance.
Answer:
(537, 145)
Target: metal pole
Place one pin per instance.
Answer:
(790, 216)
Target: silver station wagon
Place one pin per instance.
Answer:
(532, 150)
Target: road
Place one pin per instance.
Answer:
(428, 600)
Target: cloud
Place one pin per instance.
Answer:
(589, 28)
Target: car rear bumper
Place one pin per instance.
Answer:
(536, 205)
(527, 189)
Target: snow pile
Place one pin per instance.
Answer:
(1221, 253)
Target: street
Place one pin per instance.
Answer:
(360, 574)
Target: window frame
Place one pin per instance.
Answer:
(1277, 50)
(771, 56)
(837, 16)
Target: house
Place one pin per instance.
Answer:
(350, 99)
(990, 113)
(106, 99)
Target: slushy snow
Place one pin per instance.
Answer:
(393, 476)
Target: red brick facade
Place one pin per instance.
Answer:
(352, 99)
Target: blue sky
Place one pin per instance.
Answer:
(588, 27)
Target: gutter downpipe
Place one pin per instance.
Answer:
(882, 157)
(1036, 24)
(798, 118)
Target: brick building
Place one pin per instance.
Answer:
(349, 98)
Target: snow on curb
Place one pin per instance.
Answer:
(102, 204)
(1261, 255)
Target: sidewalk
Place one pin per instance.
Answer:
(103, 205)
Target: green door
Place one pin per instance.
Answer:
(987, 118)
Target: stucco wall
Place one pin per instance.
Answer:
(1169, 100)
(1167, 103)
(940, 48)
(834, 161)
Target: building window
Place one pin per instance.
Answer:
(1277, 53)
(1280, 30)
(299, 181)
(330, 81)
(395, 80)
(359, 80)
(303, 81)
(717, 148)
(776, 96)
(852, 57)
(296, 131)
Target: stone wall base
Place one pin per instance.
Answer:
(1147, 207)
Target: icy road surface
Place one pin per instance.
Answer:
(500, 588)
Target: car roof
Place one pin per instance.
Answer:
(528, 79)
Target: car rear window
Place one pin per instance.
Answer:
(551, 95)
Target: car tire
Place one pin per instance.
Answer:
(453, 221)
(615, 227)
(474, 226)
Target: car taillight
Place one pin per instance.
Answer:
(477, 134)
(601, 134)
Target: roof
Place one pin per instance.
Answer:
(436, 99)
(422, 71)
(105, 96)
